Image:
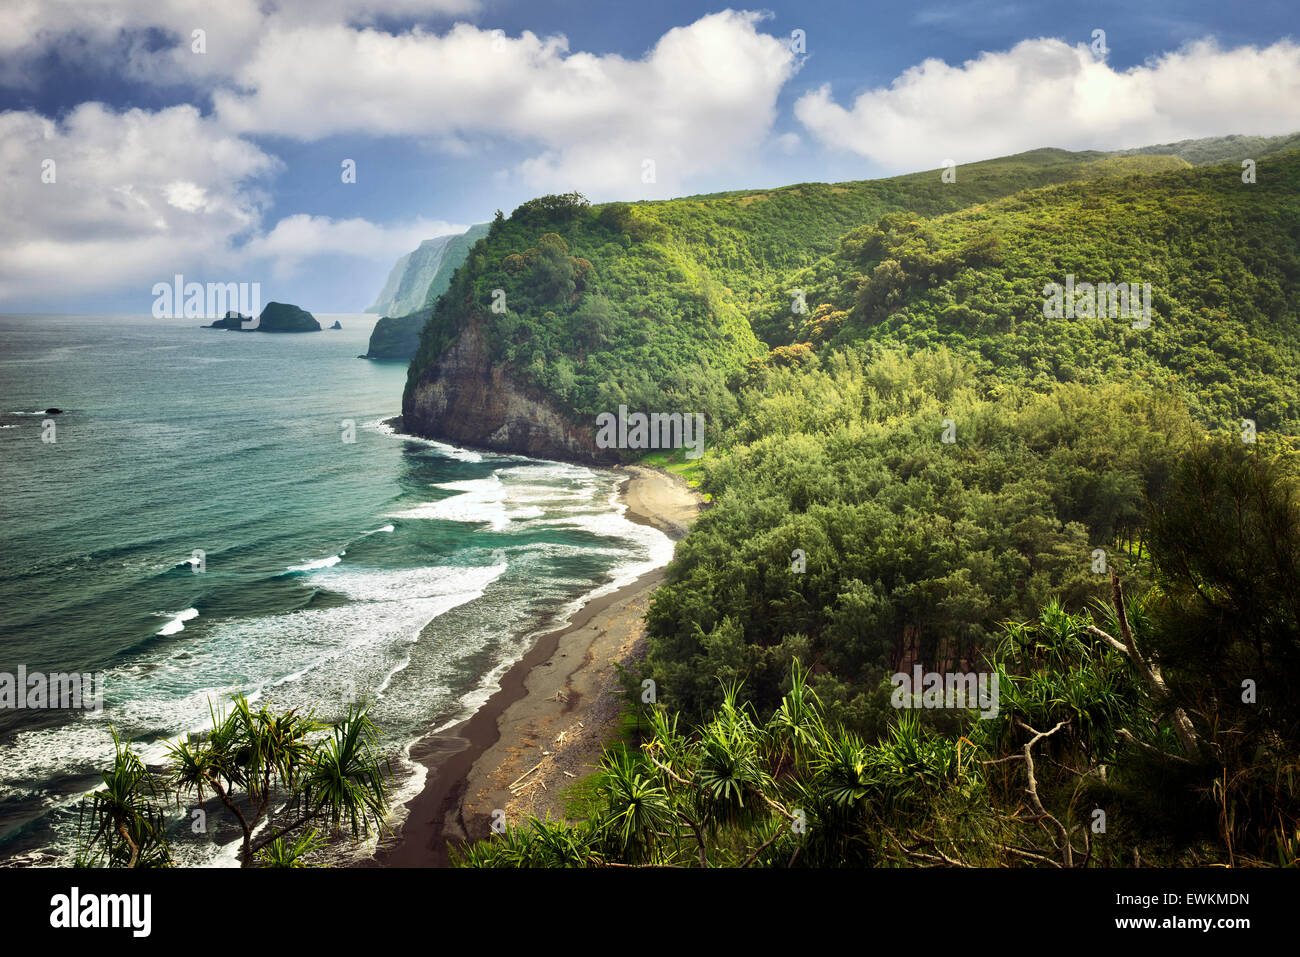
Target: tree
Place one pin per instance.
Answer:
(263, 768)
(592, 322)
(1225, 537)
(119, 825)
(553, 273)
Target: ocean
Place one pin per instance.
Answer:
(220, 511)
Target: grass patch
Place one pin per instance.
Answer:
(582, 799)
(675, 461)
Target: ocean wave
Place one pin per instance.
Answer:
(447, 451)
(480, 501)
(383, 585)
(329, 562)
(307, 659)
(512, 494)
(177, 622)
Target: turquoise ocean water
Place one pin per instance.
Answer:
(404, 571)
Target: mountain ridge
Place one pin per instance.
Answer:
(670, 304)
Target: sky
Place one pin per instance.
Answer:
(306, 144)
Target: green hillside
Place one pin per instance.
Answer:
(1221, 257)
(1221, 149)
(648, 304)
(934, 468)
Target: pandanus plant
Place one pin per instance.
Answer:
(283, 778)
(119, 823)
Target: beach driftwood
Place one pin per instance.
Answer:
(526, 773)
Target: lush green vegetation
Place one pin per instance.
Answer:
(913, 548)
(1221, 149)
(650, 304)
(929, 468)
(1221, 257)
(286, 781)
(1101, 752)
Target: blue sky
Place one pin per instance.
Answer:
(224, 164)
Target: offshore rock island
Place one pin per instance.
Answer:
(276, 317)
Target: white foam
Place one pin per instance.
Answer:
(319, 563)
(375, 531)
(380, 585)
(304, 659)
(448, 451)
(511, 494)
(177, 623)
(481, 501)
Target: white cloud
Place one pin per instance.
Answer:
(143, 194)
(133, 192)
(301, 237)
(1044, 92)
(789, 143)
(702, 98)
(139, 196)
(189, 197)
(112, 33)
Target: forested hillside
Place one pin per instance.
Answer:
(1222, 258)
(650, 304)
(916, 462)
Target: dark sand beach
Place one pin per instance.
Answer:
(546, 724)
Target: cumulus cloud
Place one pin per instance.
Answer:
(141, 194)
(137, 196)
(152, 40)
(704, 96)
(301, 237)
(132, 192)
(1044, 92)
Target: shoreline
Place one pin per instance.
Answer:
(557, 692)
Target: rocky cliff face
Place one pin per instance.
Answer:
(465, 398)
(397, 338)
(424, 274)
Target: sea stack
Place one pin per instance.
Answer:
(276, 317)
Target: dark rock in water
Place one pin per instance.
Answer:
(233, 320)
(336, 325)
(53, 411)
(276, 317)
(282, 317)
(397, 337)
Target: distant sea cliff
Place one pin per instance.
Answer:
(422, 275)
(413, 286)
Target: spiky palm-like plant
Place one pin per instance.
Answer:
(638, 805)
(256, 763)
(281, 853)
(124, 827)
(730, 777)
